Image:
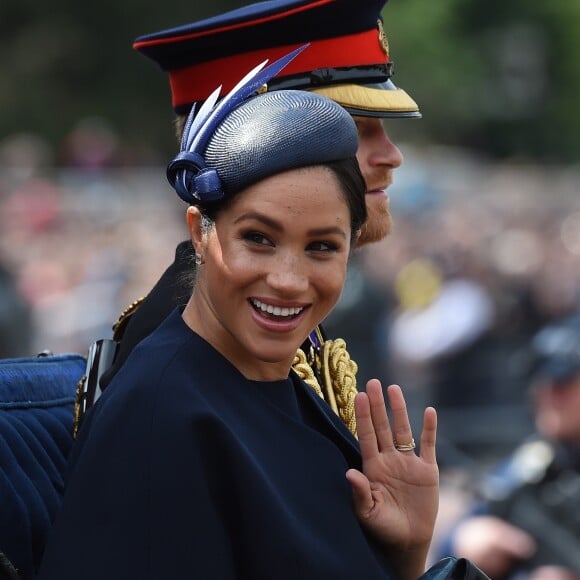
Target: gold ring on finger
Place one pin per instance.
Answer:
(405, 446)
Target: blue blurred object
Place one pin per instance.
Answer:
(37, 396)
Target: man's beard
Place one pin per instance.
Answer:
(379, 222)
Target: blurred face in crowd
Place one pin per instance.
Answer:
(557, 409)
(378, 157)
(274, 264)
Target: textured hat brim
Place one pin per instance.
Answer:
(372, 100)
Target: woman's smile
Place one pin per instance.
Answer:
(277, 318)
(276, 311)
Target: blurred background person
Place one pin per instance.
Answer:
(525, 521)
(16, 322)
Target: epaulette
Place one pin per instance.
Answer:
(121, 324)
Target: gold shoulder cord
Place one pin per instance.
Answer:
(332, 374)
(303, 369)
(339, 377)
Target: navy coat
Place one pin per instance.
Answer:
(185, 469)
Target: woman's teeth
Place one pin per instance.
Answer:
(276, 310)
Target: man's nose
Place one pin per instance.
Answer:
(386, 152)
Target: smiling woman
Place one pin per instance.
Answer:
(207, 456)
(273, 266)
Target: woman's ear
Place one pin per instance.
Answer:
(194, 224)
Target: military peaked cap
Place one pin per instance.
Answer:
(347, 60)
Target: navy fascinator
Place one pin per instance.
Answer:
(248, 136)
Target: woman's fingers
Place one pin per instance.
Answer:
(380, 419)
(376, 432)
(429, 435)
(373, 425)
(364, 425)
(401, 434)
(361, 492)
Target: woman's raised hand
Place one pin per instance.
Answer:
(396, 495)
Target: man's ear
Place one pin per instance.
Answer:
(194, 224)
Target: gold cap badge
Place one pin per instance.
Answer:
(383, 37)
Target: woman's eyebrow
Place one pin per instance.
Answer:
(275, 225)
(327, 231)
(252, 215)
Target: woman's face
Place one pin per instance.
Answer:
(273, 267)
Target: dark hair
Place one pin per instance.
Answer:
(350, 179)
(353, 187)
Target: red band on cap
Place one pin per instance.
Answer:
(196, 82)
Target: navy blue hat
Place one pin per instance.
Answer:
(347, 60)
(245, 137)
(556, 350)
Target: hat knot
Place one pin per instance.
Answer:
(192, 180)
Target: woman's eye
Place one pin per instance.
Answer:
(322, 247)
(257, 238)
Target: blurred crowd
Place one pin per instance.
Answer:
(81, 241)
(480, 258)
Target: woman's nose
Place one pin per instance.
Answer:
(288, 276)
